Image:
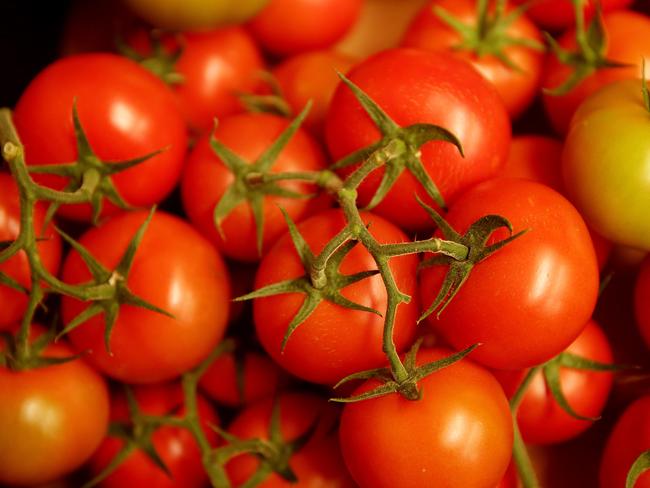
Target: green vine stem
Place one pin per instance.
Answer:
(520, 455)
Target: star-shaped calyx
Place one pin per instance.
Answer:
(89, 176)
(116, 279)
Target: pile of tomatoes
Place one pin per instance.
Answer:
(339, 243)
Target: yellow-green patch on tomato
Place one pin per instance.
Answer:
(606, 163)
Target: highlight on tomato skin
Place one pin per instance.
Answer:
(175, 269)
(52, 418)
(458, 434)
(531, 288)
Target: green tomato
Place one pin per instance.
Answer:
(195, 14)
(606, 163)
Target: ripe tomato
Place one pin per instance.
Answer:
(560, 14)
(317, 463)
(285, 27)
(176, 446)
(214, 66)
(333, 341)
(627, 40)
(51, 419)
(629, 438)
(458, 434)
(117, 100)
(531, 299)
(174, 269)
(206, 179)
(607, 179)
(642, 300)
(14, 302)
(311, 76)
(258, 378)
(541, 419)
(517, 84)
(179, 15)
(414, 86)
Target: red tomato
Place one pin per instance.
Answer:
(13, 302)
(458, 434)
(174, 269)
(214, 66)
(627, 40)
(414, 86)
(539, 158)
(516, 86)
(317, 463)
(642, 300)
(531, 299)
(333, 341)
(629, 438)
(259, 377)
(206, 179)
(176, 446)
(541, 419)
(51, 419)
(560, 14)
(287, 27)
(311, 76)
(125, 112)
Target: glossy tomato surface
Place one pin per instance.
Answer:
(116, 100)
(532, 298)
(206, 179)
(414, 86)
(334, 341)
(317, 463)
(174, 269)
(51, 419)
(517, 84)
(609, 180)
(14, 303)
(176, 446)
(458, 434)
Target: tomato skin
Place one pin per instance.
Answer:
(642, 300)
(117, 100)
(286, 27)
(311, 76)
(541, 419)
(608, 180)
(175, 445)
(334, 341)
(14, 303)
(182, 15)
(532, 298)
(319, 461)
(627, 40)
(414, 86)
(629, 438)
(517, 88)
(51, 419)
(215, 65)
(458, 434)
(174, 269)
(206, 179)
(560, 14)
(261, 379)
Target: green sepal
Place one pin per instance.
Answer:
(475, 239)
(640, 466)
(407, 156)
(125, 451)
(117, 279)
(408, 387)
(253, 190)
(161, 63)
(6, 280)
(275, 103)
